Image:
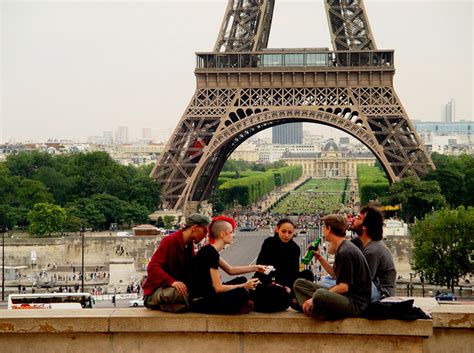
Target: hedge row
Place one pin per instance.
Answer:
(372, 183)
(344, 193)
(249, 189)
(286, 175)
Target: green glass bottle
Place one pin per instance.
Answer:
(309, 254)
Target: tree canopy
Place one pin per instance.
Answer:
(455, 176)
(92, 188)
(417, 197)
(442, 245)
(46, 218)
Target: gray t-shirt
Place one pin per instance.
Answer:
(382, 268)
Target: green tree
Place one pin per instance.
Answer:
(145, 191)
(46, 218)
(86, 211)
(8, 216)
(442, 244)
(98, 174)
(145, 169)
(416, 197)
(451, 183)
(111, 207)
(75, 224)
(133, 213)
(61, 186)
(25, 164)
(21, 215)
(31, 192)
(454, 175)
(169, 221)
(8, 185)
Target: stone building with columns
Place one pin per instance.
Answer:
(331, 162)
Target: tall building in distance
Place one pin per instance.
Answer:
(108, 137)
(288, 134)
(122, 134)
(147, 133)
(448, 111)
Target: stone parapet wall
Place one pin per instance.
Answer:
(67, 250)
(99, 250)
(142, 330)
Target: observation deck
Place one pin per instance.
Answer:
(296, 58)
(280, 68)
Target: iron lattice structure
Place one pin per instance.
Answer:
(244, 88)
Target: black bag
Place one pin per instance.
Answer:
(398, 310)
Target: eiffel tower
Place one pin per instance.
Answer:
(243, 87)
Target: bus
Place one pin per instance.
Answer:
(51, 301)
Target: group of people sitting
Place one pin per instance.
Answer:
(363, 270)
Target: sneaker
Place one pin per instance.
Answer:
(247, 307)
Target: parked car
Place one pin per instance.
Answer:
(136, 302)
(446, 296)
(247, 227)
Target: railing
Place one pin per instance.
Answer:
(302, 58)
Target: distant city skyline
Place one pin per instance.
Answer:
(75, 69)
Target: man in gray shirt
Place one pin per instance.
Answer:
(368, 225)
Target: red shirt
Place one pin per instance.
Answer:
(169, 263)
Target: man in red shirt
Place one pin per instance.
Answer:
(165, 287)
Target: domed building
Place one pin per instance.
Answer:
(331, 162)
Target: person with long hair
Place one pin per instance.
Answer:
(280, 251)
(208, 293)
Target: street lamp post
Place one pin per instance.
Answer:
(412, 275)
(82, 261)
(3, 263)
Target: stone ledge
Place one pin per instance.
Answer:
(134, 320)
(453, 316)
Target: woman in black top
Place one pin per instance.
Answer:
(208, 293)
(281, 252)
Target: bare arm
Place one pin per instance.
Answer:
(238, 270)
(221, 288)
(329, 269)
(340, 288)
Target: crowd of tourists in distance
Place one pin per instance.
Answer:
(267, 220)
(363, 270)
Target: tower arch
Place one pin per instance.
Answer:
(230, 137)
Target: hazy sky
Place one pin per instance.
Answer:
(77, 68)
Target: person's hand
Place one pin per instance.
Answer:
(261, 268)
(288, 290)
(317, 255)
(180, 287)
(251, 283)
(315, 251)
(308, 306)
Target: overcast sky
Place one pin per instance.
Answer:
(78, 68)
